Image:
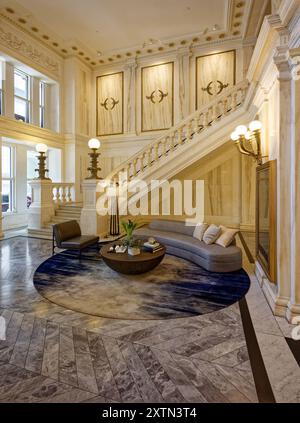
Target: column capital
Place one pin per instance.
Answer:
(284, 63)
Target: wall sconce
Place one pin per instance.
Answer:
(42, 150)
(242, 135)
(94, 144)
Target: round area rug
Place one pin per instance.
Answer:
(176, 288)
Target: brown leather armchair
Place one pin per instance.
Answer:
(67, 236)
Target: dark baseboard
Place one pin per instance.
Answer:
(261, 379)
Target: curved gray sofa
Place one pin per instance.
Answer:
(179, 241)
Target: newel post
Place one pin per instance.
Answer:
(42, 208)
(91, 222)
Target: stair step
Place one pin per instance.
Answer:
(67, 214)
(57, 219)
(70, 208)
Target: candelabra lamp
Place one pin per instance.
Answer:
(94, 144)
(248, 141)
(42, 150)
(114, 224)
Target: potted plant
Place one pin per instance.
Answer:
(133, 245)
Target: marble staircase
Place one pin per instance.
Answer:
(63, 213)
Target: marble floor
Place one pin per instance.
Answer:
(52, 354)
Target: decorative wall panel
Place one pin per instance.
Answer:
(157, 97)
(214, 73)
(110, 104)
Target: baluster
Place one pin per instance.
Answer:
(225, 106)
(229, 103)
(180, 136)
(164, 146)
(134, 168)
(63, 195)
(69, 193)
(142, 162)
(156, 152)
(55, 194)
(200, 121)
(149, 157)
(189, 133)
(209, 116)
(234, 100)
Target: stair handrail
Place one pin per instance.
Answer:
(185, 124)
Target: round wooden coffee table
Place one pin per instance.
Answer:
(132, 265)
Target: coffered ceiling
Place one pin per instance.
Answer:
(102, 31)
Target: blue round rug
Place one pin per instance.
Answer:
(176, 288)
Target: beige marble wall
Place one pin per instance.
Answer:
(224, 181)
(110, 104)
(157, 97)
(212, 71)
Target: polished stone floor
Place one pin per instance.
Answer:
(53, 354)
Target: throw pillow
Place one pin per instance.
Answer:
(200, 230)
(211, 234)
(226, 237)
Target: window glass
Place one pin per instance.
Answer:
(21, 110)
(7, 179)
(6, 162)
(21, 85)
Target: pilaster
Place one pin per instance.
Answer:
(130, 106)
(183, 61)
(9, 90)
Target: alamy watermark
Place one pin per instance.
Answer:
(157, 198)
(2, 329)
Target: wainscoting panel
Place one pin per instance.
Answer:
(214, 73)
(157, 97)
(110, 104)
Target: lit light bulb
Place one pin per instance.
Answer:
(256, 125)
(241, 130)
(94, 144)
(248, 135)
(41, 148)
(234, 136)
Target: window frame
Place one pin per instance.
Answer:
(42, 103)
(26, 100)
(11, 179)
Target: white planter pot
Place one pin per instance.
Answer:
(134, 251)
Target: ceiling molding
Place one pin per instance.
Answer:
(17, 15)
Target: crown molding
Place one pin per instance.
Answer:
(15, 44)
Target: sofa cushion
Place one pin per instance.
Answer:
(79, 242)
(214, 252)
(211, 234)
(200, 231)
(172, 226)
(227, 236)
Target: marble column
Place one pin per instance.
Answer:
(294, 303)
(284, 194)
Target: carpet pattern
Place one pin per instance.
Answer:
(177, 288)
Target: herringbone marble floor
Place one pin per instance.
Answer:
(56, 355)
